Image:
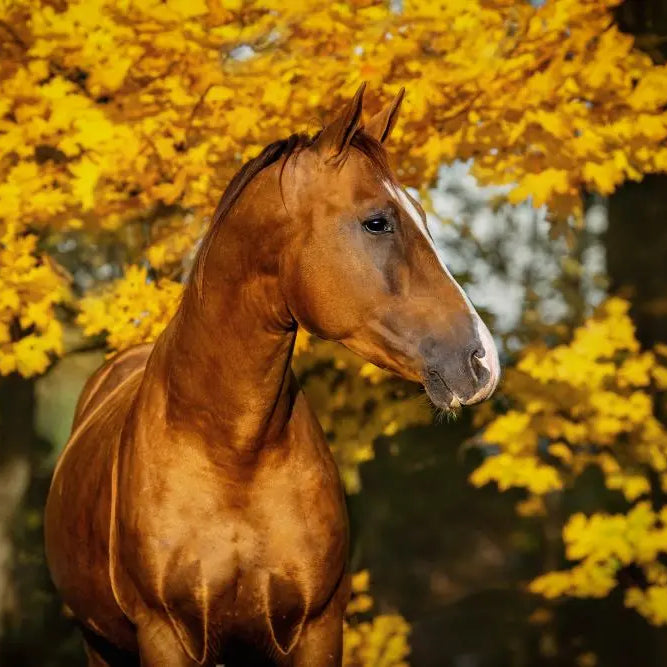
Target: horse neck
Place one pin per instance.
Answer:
(227, 352)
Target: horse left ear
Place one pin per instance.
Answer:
(381, 125)
(335, 138)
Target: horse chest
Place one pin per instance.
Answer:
(267, 559)
(288, 522)
(295, 530)
(233, 551)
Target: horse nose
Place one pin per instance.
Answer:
(464, 372)
(457, 368)
(459, 376)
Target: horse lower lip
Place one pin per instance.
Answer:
(449, 400)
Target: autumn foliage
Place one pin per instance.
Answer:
(585, 403)
(114, 111)
(121, 121)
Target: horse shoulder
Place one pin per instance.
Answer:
(79, 504)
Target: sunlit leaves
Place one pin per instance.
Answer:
(517, 471)
(586, 403)
(382, 640)
(133, 310)
(30, 285)
(605, 544)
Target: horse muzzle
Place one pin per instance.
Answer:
(456, 375)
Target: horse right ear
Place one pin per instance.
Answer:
(334, 140)
(381, 125)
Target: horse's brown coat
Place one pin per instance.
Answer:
(196, 515)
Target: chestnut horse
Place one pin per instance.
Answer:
(196, 515)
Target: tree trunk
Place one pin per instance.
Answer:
(637, 253)
(16, 436)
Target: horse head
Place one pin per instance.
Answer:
(361, 267)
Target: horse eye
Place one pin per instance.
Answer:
(378, 225)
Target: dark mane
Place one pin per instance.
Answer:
(362, 141)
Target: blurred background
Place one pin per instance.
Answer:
(531, 530)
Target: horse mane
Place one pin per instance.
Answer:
(284, 148)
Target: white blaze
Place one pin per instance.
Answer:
(490, 359)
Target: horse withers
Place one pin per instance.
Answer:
(196, 515)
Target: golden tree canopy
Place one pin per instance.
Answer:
(116, 109)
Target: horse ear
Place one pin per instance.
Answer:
(335, 138)
(381, 125)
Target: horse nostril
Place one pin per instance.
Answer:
(476, 366)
